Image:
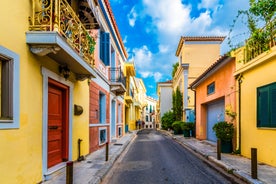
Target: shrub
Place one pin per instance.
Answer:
(177, 127)
(224, 131)
(167, 120)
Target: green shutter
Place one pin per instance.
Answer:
(272, 100)
(262, 107)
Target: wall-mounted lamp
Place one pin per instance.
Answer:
(78, 110)
(65, 71)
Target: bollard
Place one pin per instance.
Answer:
(218, 150)
(254, 169)
(69, 172)
(106, 151)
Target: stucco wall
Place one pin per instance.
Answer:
(253, 137)
(224, 89)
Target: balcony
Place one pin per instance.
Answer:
(260, 42)
(117, 81)
(57, 31)
(129, 97)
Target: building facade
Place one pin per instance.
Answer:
(150, 113)
(255, 74)
(215, 93)
(195, 55)
(164, 92)
(58, 91)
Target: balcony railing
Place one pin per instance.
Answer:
(261, 41)
(58, 15)
(116, 75)
(118, 81)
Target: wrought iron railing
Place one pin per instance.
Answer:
(261, 41)
(116, 76)
(58, 15)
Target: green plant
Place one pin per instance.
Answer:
(167, 120)
(175, 66)
(224, 130)
(177, 104)
(177, 127)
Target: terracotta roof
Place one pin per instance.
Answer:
(203, 38)
(115, 26)
(223, 59)
(197, 38)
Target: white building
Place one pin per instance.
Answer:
(164, 92)
(150, 113)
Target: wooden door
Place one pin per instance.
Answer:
(57, 123)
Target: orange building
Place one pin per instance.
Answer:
(215, 93)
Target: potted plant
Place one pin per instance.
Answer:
(188, 129)
(225, 132)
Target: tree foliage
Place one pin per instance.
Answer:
(260, 13)
(175, 66)
(167, 120)
(178, 104)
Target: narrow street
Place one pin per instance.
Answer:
(154, 158)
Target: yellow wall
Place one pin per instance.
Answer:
(253, 137)
(21, 149)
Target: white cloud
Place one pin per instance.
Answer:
(208, 4)
(125, 39)
(132, 16)
(163, 48)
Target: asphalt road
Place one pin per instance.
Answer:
(154, 158)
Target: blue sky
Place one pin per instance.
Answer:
(151, 30)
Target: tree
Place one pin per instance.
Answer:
(177, 105)
(260, 13)
(167, 120)
(175, 66)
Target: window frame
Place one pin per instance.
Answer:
(102, 108)
(105, 135)
(211, 86)
(265, 101)
(10, 56)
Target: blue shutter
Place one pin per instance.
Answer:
(104, 48)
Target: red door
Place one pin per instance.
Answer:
(57, 123)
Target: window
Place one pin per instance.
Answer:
(102, 108)
(150, 108)
(105, 48)
(266, 106)
(211, 88)
(119, 131)
(9, 89)
(119, 113)
(147, 118)
(102, 136)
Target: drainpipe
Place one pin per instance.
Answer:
(194, 107)
(239, 78)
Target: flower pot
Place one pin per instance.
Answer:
(226, 146)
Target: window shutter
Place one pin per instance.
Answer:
(272, 100)
(262, 107)
(104, 48)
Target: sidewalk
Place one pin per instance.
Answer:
(238, 165)
(93, 169)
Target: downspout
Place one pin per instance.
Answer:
(239, 78)
(194, 107)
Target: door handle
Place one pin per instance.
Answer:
(53, 127)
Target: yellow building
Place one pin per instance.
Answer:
(46, 63)
(256, 78)
(195, 55)
(129, 97)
